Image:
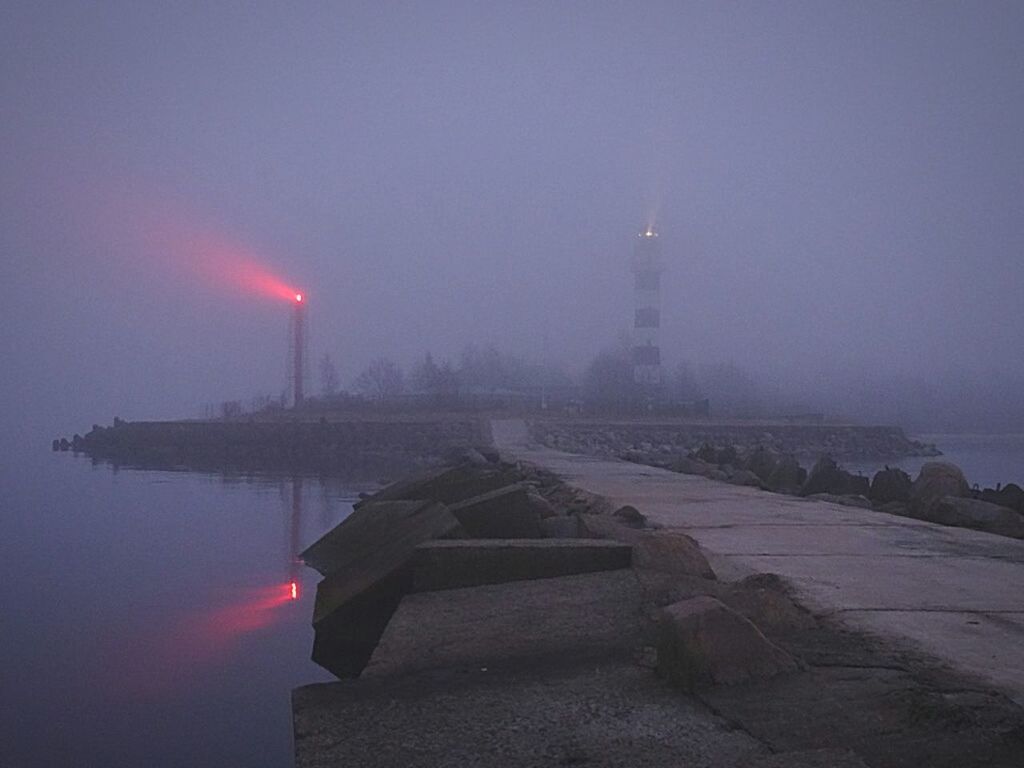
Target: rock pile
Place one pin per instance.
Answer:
(490, 525)
(382, 444)
(826, 477)
(481, 521)
(939, 494)
(666, 441)
(539, 650)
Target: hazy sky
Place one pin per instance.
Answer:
(839, 188)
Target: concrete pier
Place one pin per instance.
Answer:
(955, 594)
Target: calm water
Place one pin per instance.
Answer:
(147, 616)
(985, 459)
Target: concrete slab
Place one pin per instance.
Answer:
(604, 716)
(813, 758)
(455, 563)
(395, 526)
(367, 559)
(447, 485)
(967, 634)
(564, 620)
(505, 513)
(879, 572)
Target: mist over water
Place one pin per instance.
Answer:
(838, 190)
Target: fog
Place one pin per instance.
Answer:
(838, 188)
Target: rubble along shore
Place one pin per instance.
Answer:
(507, 618)
(351, 443)
(312, 443)
(613, 437)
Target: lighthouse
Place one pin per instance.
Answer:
(298, 344)
(647, 268)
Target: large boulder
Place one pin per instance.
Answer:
(674, 553)
(702, 642)
(787, 477)
(690, 466)
(827, 477)
(1010, 495)
(706, 454)
(937, 480)
(727, 455)
(745, 477)
(890, 484)
(631, 516)
(977, 514)
(762, 462)
(764, 598)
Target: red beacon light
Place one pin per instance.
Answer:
(293, 591)
(298, 298)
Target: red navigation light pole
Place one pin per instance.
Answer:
(300, 331)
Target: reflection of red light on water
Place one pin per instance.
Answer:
(164, 659)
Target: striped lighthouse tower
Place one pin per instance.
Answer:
(647, 270)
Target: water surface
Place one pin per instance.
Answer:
(149, 617)
(985, 459)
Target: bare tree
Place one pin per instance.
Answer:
(425, 375)
(381, 380)
(329, 383)
(230, 409)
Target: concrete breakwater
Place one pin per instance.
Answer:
(611, 438)
(490, 614)
(322, 446)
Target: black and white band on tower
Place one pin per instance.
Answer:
(647, 268)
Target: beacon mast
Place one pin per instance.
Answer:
(647, 268)
(298, 348)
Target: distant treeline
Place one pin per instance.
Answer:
(486, 377)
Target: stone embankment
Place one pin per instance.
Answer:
(488, 614)
(767, 458)
(323, 446)
(940, 493)
(670, 439)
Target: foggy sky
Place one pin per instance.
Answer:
(839, 189)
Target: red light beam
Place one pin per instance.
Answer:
(160, 232)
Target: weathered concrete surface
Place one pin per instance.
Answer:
(957, 594)
(455, 563)
(365, 559)
(448, 485)
(510, 512)
(811, 758)
(380, 533)
(604, 716)
(593, 616)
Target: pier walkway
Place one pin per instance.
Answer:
(956, 594)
